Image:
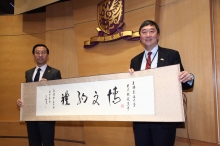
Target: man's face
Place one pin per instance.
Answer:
(40, 55)
(149, 37)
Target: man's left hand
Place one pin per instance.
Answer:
(184, 77)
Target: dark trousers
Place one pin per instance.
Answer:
(41, 132)
(154, 133)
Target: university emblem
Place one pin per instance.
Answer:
(110, 22)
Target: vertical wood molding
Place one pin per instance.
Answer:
(216, 44)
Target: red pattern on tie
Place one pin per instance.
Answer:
(148, 63)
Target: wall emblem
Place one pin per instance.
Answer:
(110, 24)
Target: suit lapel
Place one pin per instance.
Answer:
(161, 57)
(47, 72)
(30, 75)
(140, 58)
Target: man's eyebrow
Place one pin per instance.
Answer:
(148, 29)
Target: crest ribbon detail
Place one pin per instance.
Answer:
(110, 22)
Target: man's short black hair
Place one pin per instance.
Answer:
(40, 45)
(149, 22)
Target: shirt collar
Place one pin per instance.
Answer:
(43, 68)
(154, 50)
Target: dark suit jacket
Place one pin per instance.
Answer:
(170, 57)
(46, 128)
(166, 57)
(49, 74)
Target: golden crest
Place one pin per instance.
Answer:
(110, 15)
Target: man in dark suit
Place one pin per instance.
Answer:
(40, 132)
(156, 133)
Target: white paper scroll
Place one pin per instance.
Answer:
(134, 96)
(149, 95)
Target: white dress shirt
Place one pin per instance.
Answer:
(154, 58)
(43, 68)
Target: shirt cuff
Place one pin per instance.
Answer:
(191, 81)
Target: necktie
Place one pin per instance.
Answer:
(148, 64)
(37, 76)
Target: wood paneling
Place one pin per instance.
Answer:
(34, 26)
(12, 25)
(13, 129)
(56, 19)
(13, 133)
(16, 58)
(70, 131)
(66, 133)
(63, 54)
(16, 25)
(167, 2)
(185, 26)
(85, 12)
(109, 134)
(13, 141)
(190, 142)
(216, 31)
(189, 32)
(17, 39)
(64, 143)
(60, 38)
(138, 4)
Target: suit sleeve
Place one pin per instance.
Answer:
(26, 76)
(177, 60)
(57, 75)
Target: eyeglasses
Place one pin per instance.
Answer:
(42, 53)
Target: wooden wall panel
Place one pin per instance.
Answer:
(167, 2)
(67, 134)
(57, 19)
(216, 25)
(109, 134)
(85, 12)
(60, 38)
(12, 25)
(138, 4)
(13, 129)
(13, 133)
(63, 53)
(72, 131)
(185, 26)
(22, 24)
(34, 26)
(16, 58)
(63, 143)
(189, 32)
(190, 142)
(13, 141)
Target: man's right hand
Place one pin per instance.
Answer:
(19, 102)
(131, 71)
